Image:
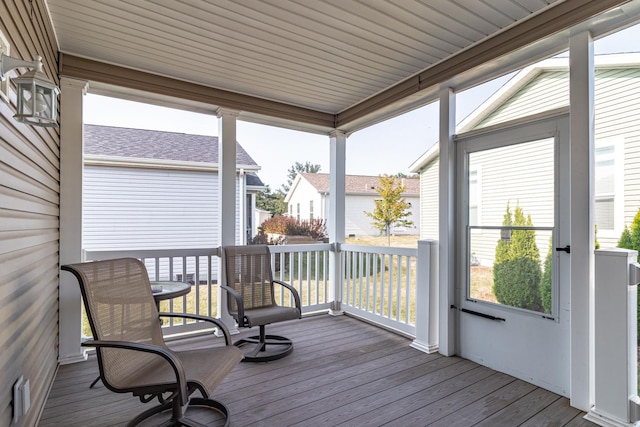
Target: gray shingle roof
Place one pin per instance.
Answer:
(153, 144)
(358, 183)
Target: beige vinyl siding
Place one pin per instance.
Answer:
(502, 181)
(617, 97)
(429, 200)
(548, 91)
(29, 222)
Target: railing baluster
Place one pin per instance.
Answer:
(398, 315)
(308, 255)
(407, 289)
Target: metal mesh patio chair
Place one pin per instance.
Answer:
(132, 354)
(250, 285)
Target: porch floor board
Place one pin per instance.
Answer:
(342, 372)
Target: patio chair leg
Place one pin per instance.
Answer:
(256, 348)
(177, 413)
(95, 382)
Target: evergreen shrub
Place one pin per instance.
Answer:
(517, 283)
(516, 267)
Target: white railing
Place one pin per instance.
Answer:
(379, 285)
(306, 268)
(196, 266)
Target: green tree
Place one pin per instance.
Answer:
(504, 244)
(546, 283)
(271, 201)
(516, 268)
(391, 209)
(297, 168)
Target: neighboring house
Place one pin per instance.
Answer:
(308, 198)
(536, 89)
(146, 189)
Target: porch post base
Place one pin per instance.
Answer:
(73, 358)
(333, 312)
(423, 347)
(607, 421)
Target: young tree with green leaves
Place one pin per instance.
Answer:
(391, 209)
(297, 168)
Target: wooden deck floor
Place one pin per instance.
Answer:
(343, 372)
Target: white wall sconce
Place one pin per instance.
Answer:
(37, 95)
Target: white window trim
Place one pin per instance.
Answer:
(618, 195)
(478, 170)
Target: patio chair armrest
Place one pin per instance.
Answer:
(239, 302)
(163, 352)
(217, 322)
(295, 294)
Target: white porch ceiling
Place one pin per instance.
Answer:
(323, 55)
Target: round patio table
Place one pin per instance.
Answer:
(168, 290)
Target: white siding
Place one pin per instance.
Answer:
(302, 195)
(359, 224)
(429, 200)
(130, 208)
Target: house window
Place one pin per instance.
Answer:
(311, 210)
(291, 210)
(608, 197)
(298, 211)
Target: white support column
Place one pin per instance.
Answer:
(71, 171)
(581, 219)
(227, 121)
(427, 303)
(447, 234)
(336, 220)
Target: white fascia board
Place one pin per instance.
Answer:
(292, 189)
(135, 162)
(425, 159)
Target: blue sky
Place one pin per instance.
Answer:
(388, 147)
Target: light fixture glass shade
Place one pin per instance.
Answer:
(37, 99)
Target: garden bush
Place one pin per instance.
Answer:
(290, 226)
(516, 268)
(547, 280)
(517, 283)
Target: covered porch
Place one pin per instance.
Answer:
(377, 76)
